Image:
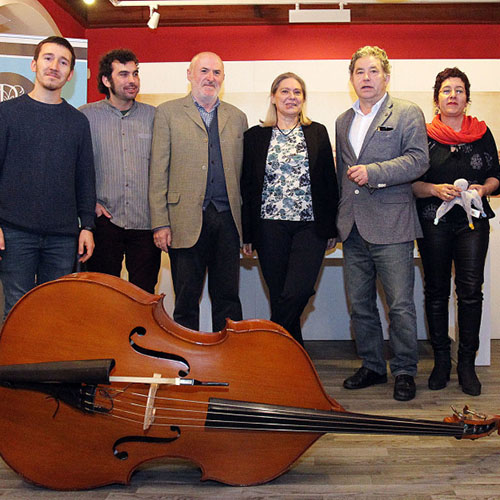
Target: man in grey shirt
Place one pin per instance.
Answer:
(381, 148)
(121, 136)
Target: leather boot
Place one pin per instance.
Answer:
(469, 322)
(467, 377)
(436, 310)
(440, 375)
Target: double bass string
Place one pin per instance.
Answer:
(305, 420)
(239, 415)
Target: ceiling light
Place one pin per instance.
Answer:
(340, 15)
(154, 17)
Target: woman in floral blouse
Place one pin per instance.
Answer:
(290, 197)
(460, 146)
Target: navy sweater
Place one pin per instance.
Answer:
(47, 179)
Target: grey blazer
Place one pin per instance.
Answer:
(395, 153)
(179, 166)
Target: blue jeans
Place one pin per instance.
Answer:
(30, 259)
(393, 264)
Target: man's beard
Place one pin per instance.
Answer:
(49, 84)
(112, 90)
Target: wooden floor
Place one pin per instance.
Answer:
(343, 466)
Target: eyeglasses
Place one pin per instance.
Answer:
(446, 92)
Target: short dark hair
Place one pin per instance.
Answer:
(106, 66)
(60, 41)
(450, 73)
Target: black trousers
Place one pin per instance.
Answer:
(217, 252)
(142, 257)
(441, 245)
(290, 256)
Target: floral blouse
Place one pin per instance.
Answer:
(286, 194)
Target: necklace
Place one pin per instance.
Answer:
(286, 134)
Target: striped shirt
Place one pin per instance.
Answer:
(122, 150)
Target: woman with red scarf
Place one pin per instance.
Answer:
(460, 146)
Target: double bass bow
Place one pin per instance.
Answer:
(96, 378)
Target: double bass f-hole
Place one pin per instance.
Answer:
(141, 332)
(123, 455)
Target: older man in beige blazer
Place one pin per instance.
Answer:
(194, 193)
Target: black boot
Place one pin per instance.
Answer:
(469, 322)
(437, 319)
(440, 375)
(467, 377)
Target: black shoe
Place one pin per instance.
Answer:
(364, 377)
(404, 388)
(467, 377)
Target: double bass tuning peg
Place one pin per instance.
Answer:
(467, 413)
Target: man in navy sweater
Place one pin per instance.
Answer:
(47, 180)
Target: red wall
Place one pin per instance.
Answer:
(295, 42)
(303, 41)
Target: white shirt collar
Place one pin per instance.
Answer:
(357, 109)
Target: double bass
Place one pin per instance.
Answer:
(96, 378)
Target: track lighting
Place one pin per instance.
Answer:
(339, 15)
(154, 17)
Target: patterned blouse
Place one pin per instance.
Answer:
(475, 161)
(286, 194)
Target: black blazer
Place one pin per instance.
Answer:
(324, 190)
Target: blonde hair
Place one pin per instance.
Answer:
(272, 116)
(367, 51)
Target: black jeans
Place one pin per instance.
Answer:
(290, 255)
(441, 245)
(142, 257)
(218, 252)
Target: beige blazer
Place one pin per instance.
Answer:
(179, 166)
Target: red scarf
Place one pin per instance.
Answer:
(472, 130)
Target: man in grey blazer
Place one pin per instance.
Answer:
(381, 145)
(194, 193)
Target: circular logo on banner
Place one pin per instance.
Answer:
(13, 85)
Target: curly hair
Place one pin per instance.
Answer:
(450, 73)
(367, 51)
(106, 66)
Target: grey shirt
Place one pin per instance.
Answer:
(122, 150)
